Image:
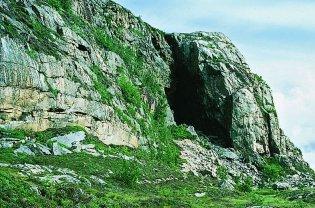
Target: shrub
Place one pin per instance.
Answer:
(180, 132)
(272, 170)
(128, 173)
(130, 92)
(160, 111)
(244, 185)
(101, 84)
(61, 5)
(222, 173)
(13, 133)
(168, 153)
(15, 191)
(104, 40)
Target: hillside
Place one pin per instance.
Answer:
(99, 109)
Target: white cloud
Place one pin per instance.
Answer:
(277, 13)
(291, 76)
(310, 157)
(177, 15)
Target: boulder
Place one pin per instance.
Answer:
(59, 149)
(227, 184)
(44, 149)
(281, 186)
(8, 142)
(70, 140)
(24, 150)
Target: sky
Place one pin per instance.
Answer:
(277, 39)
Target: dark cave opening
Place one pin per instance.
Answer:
(186, 100)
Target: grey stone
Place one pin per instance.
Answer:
(24, 150)
(70, 140)
(6, 144)
(227, 185)
(192, 130)
(58, 149)
(228, 103)
(60, 179)
(197, 159)
(44, 149)
(98, 180)
(199, 195)
(281, 185)
(229, 155)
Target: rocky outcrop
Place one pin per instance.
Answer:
(42, 89)
(214, 90)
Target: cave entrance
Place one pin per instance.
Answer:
(189, 108)
(185, 97)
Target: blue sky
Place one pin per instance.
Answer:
(276, 37)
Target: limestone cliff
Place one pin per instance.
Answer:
(93, 64)
(215, 91)
(56, 71)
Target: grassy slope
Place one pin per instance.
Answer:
(124, 187)
(119, 191)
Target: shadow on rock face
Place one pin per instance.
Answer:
(186, 97)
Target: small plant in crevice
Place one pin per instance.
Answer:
(101, 84)
(52, 90)
(61, 5)
(130, 92)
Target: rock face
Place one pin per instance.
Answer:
(215, 91)
(42, 89)
(96, 65)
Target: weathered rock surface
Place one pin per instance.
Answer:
(208, 161)
(295, 181)
(51, 92)
(215, 91)
(70, 140)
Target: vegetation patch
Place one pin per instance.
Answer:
(273, 170)
(101, 84)
(130, 92)
(41, 136)
(61, 5)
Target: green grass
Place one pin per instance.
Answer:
(17, 192)
(122, 187)
(130, 92)
(101, 84)
(245, 185)
(61, 5)
(41, 136)
(272, 169)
